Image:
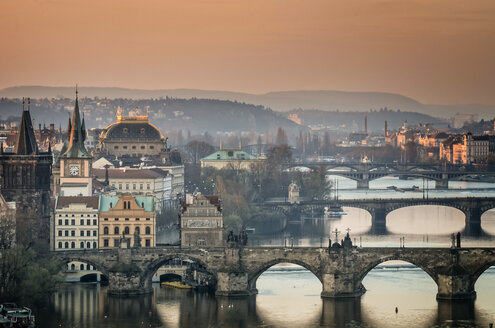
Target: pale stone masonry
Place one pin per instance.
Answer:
(201, 221)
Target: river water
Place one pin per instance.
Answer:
(289, 295)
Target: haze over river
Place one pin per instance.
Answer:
(289, 295)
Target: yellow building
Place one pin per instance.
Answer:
(129, 218)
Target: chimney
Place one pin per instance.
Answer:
(52, 127)
(385, 131)
(365, 124)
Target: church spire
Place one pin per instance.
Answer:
(76, 147)
(26, 141)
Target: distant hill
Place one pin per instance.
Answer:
(278, 101)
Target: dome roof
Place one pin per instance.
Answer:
(132, 130)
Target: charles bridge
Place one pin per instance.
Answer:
(472, 207)
(340, 268)
(363, 173)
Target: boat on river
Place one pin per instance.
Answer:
(16, 316)
(175, 284)
(334, 211)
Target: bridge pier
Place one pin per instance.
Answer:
(341, 285)
(378, 221)
(233, 283)
(125, 281)
(442, 184)
(454, 283)
(363, 184)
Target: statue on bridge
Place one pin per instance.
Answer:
(237, 240)
(137, 240)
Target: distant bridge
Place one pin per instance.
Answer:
(472, 207)
(340, 269)
(363, 173)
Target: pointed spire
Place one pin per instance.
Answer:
(83, 129)
(26, 141)
(69, 128)
(23, 104)
(49, 147)
(76, 147)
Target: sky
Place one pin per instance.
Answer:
(435, 51)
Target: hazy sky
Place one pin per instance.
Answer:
(436, 51)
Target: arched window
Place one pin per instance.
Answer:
(105, 230)
(59, 244)
(73, 245)
(88, 267)
(82, 244)
(125, 205)
(148, 230)
(126, 230)
(81, 266)
(137, 230)
(116, 230)
(88, 245)
(72, 267)
(66, 244)
(94, 244)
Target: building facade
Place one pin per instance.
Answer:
(201, 221)
(76, 163)
(127, 218)
(132, 136)
(25, 176)
(75, 223)
(231, 159)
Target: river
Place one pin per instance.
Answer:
(289, 295)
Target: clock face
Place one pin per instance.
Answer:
(74, 170)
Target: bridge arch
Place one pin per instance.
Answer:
(480, 270)
(67, 258)
(255, 273)
(396, 257)
(148, 272)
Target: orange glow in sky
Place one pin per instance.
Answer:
(436, 51)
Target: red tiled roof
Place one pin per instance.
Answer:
(65, 201)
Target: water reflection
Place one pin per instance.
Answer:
(289, 296)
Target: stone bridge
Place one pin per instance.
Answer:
(363, 173)
(472, 207)
(341, 269)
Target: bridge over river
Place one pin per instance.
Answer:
(472, 207)
(363, 173)
(340, 268)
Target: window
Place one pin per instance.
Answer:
(60, 233)
(152, 147)
(88, 222)
(105, 242)
(73, 267)
(113, 185)
(94, 233)
(201, 242)
(73, 245)
(148, 186)
(148, 230)
(59, 244)
(120, 187)
(73, 222)
(147, 219)
(116, 242)
(127, 186)
(125, 147)
(105, 219)
(66, 244)
(147, 243)
(115, 147)
(127, 219)
(82, 244)
(143, 147)
(66, 222)
(137, 230)
(137, 219)
(133, 147)
(94, 244)
(66, 233)
(126, 230)
(116, 230)
(81, 267)
(134, 186)
(82, 233)
(73, 233)
(59, 222)
(82, 222)
(116, 219)
(88, 245)
(94, 222)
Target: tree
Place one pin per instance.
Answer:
(198, 149)
(281, 137)
(316, 186)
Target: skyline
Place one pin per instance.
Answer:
(422, 49)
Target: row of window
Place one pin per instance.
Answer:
(134, 147)
(72, 267)
(134, 186)
(116, 242)
(82, 245)
(88, 233)
(116, 230)
(73, 215)
(125, 219)
(73, 222)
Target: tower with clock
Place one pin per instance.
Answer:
(75, 163)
